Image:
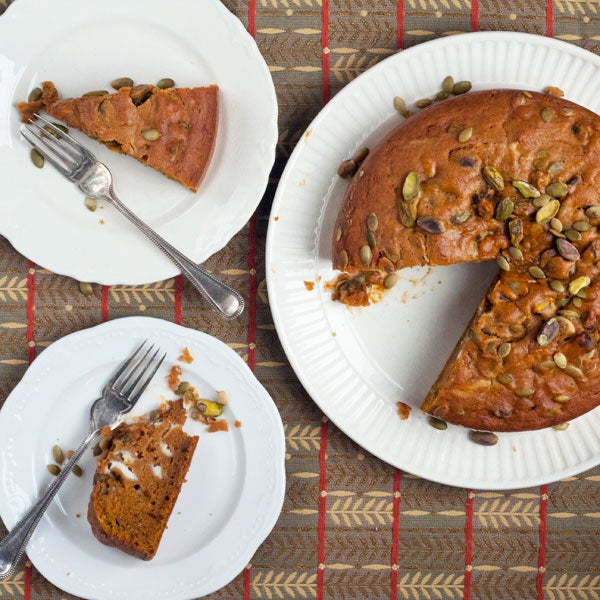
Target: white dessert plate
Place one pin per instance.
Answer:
(358, 363)
(235, 485)
(83, 46)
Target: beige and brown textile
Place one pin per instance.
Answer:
(352, 527)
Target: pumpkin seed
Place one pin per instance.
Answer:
(573, 235)
(548, 332)
(537, 272)
(366, 255)
(438, 423)
(483, 438)
(556, 224)
(546, 365)
(338, 234)
(460, 217)
(411, 187)
(515, 253)
(54, 470)
(407, 213)
(36, 158)
(561, 398)
(558, 189)
(361, 155)
(504, 209)
(121, 82)
(165, 83)
(151, 134)
(567, 250)
(77, 470)
(578, 284)
(569, 313)
(371, 239)
(448, 84)
(400, 105)
(547, 212)
(347, 168)
(561, 426)
(581, 226)
(556, 285)
(390, 281)
(95, 93)
(96, 450)
(493, 178)
(423, 103)
(441, 96)
(593, 212)
(568, 112)
(573, 371)
(546, 115)
(525, 393)
(577, 302)
(343, 259)
(502, 263)
(515, 229)
(183, 387)
(69, 454)
(431, 225)
(560, 360)
(582, 293)
(465, 134)
(526, 189)
(504, 378)
(504, 350)
(372, 222)
(57, 454)
(35, 94)
(554, 168)
(541, 200)
(86, 288)
(461, 87)
(91, 204)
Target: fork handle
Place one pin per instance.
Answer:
(221, 297)
(13, 545)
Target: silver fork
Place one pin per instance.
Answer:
(119, 396)
(95, 180)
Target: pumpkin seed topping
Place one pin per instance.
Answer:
(573, 235)
(57, 454)
(546, 115)
(504, 378)
(526, 189)
(366, 255)
(483, 438)
(561, 398)
(338, 234)
(547, 212)
(347, 168)
(573, 371)
(423, 103)
(525, 393)
(53, 470)
(504, 209)
(460, 217)
(343, 259)
(502, 263)
(35, 94)
(504, 350)
(165, 83)
(117, 84)
(400, 106)
(556, 285)
(569, 313)
(36, 158)
(411, 187)
(390, 281)
(371, 239)
(95, 93)
(465, 134)
(560, 426)
(461, 87)
(448, 84)
(407, 213)
(437, 423)
(77, 470)
(578, 284)
(431, 225)
(537, 272)
(515, 253)
(151, 134)
(441, 96)
(546, 365)
(361, 154)
(493, 178)
(558, 189)
(567, 250)
(577, 302)
(91, 204)
(372, 222)
(541, 200)
(581, 226)
(86, 288)
(593, 212)
(560, 360)
(554, 168)
(556, 224)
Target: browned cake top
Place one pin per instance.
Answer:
(522, 189)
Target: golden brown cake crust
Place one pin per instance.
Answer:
(138, 479)
(173, 130)
(528, 359)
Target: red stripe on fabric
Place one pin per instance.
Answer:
(549, 18)
(325, 50)
(474, 15)
(104, 303)
(252, 17)
(27, 580)
(252, 288)
(469, 505)
(322, 510)
(246, 577)
(400, 25)
(542, 549)
(395, 536)
(178, 297)
(30, 311)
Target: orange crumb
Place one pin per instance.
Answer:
(309, 285)
(173, 377)
(403, 410)
(276, 219)
(220, 425)
(101, 221)
(186, 356)
(238, 424)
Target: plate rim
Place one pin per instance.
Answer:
(237, 219)
(132, 327)
(291, 353)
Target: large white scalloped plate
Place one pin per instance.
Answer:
(83, 45)
(357, 363)
(235, 485)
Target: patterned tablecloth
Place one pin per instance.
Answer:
(352, 526)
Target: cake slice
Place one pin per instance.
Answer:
(138, 479)
(172, 130)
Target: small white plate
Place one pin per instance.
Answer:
(358, 363)
(83, 46)
(235, 485)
